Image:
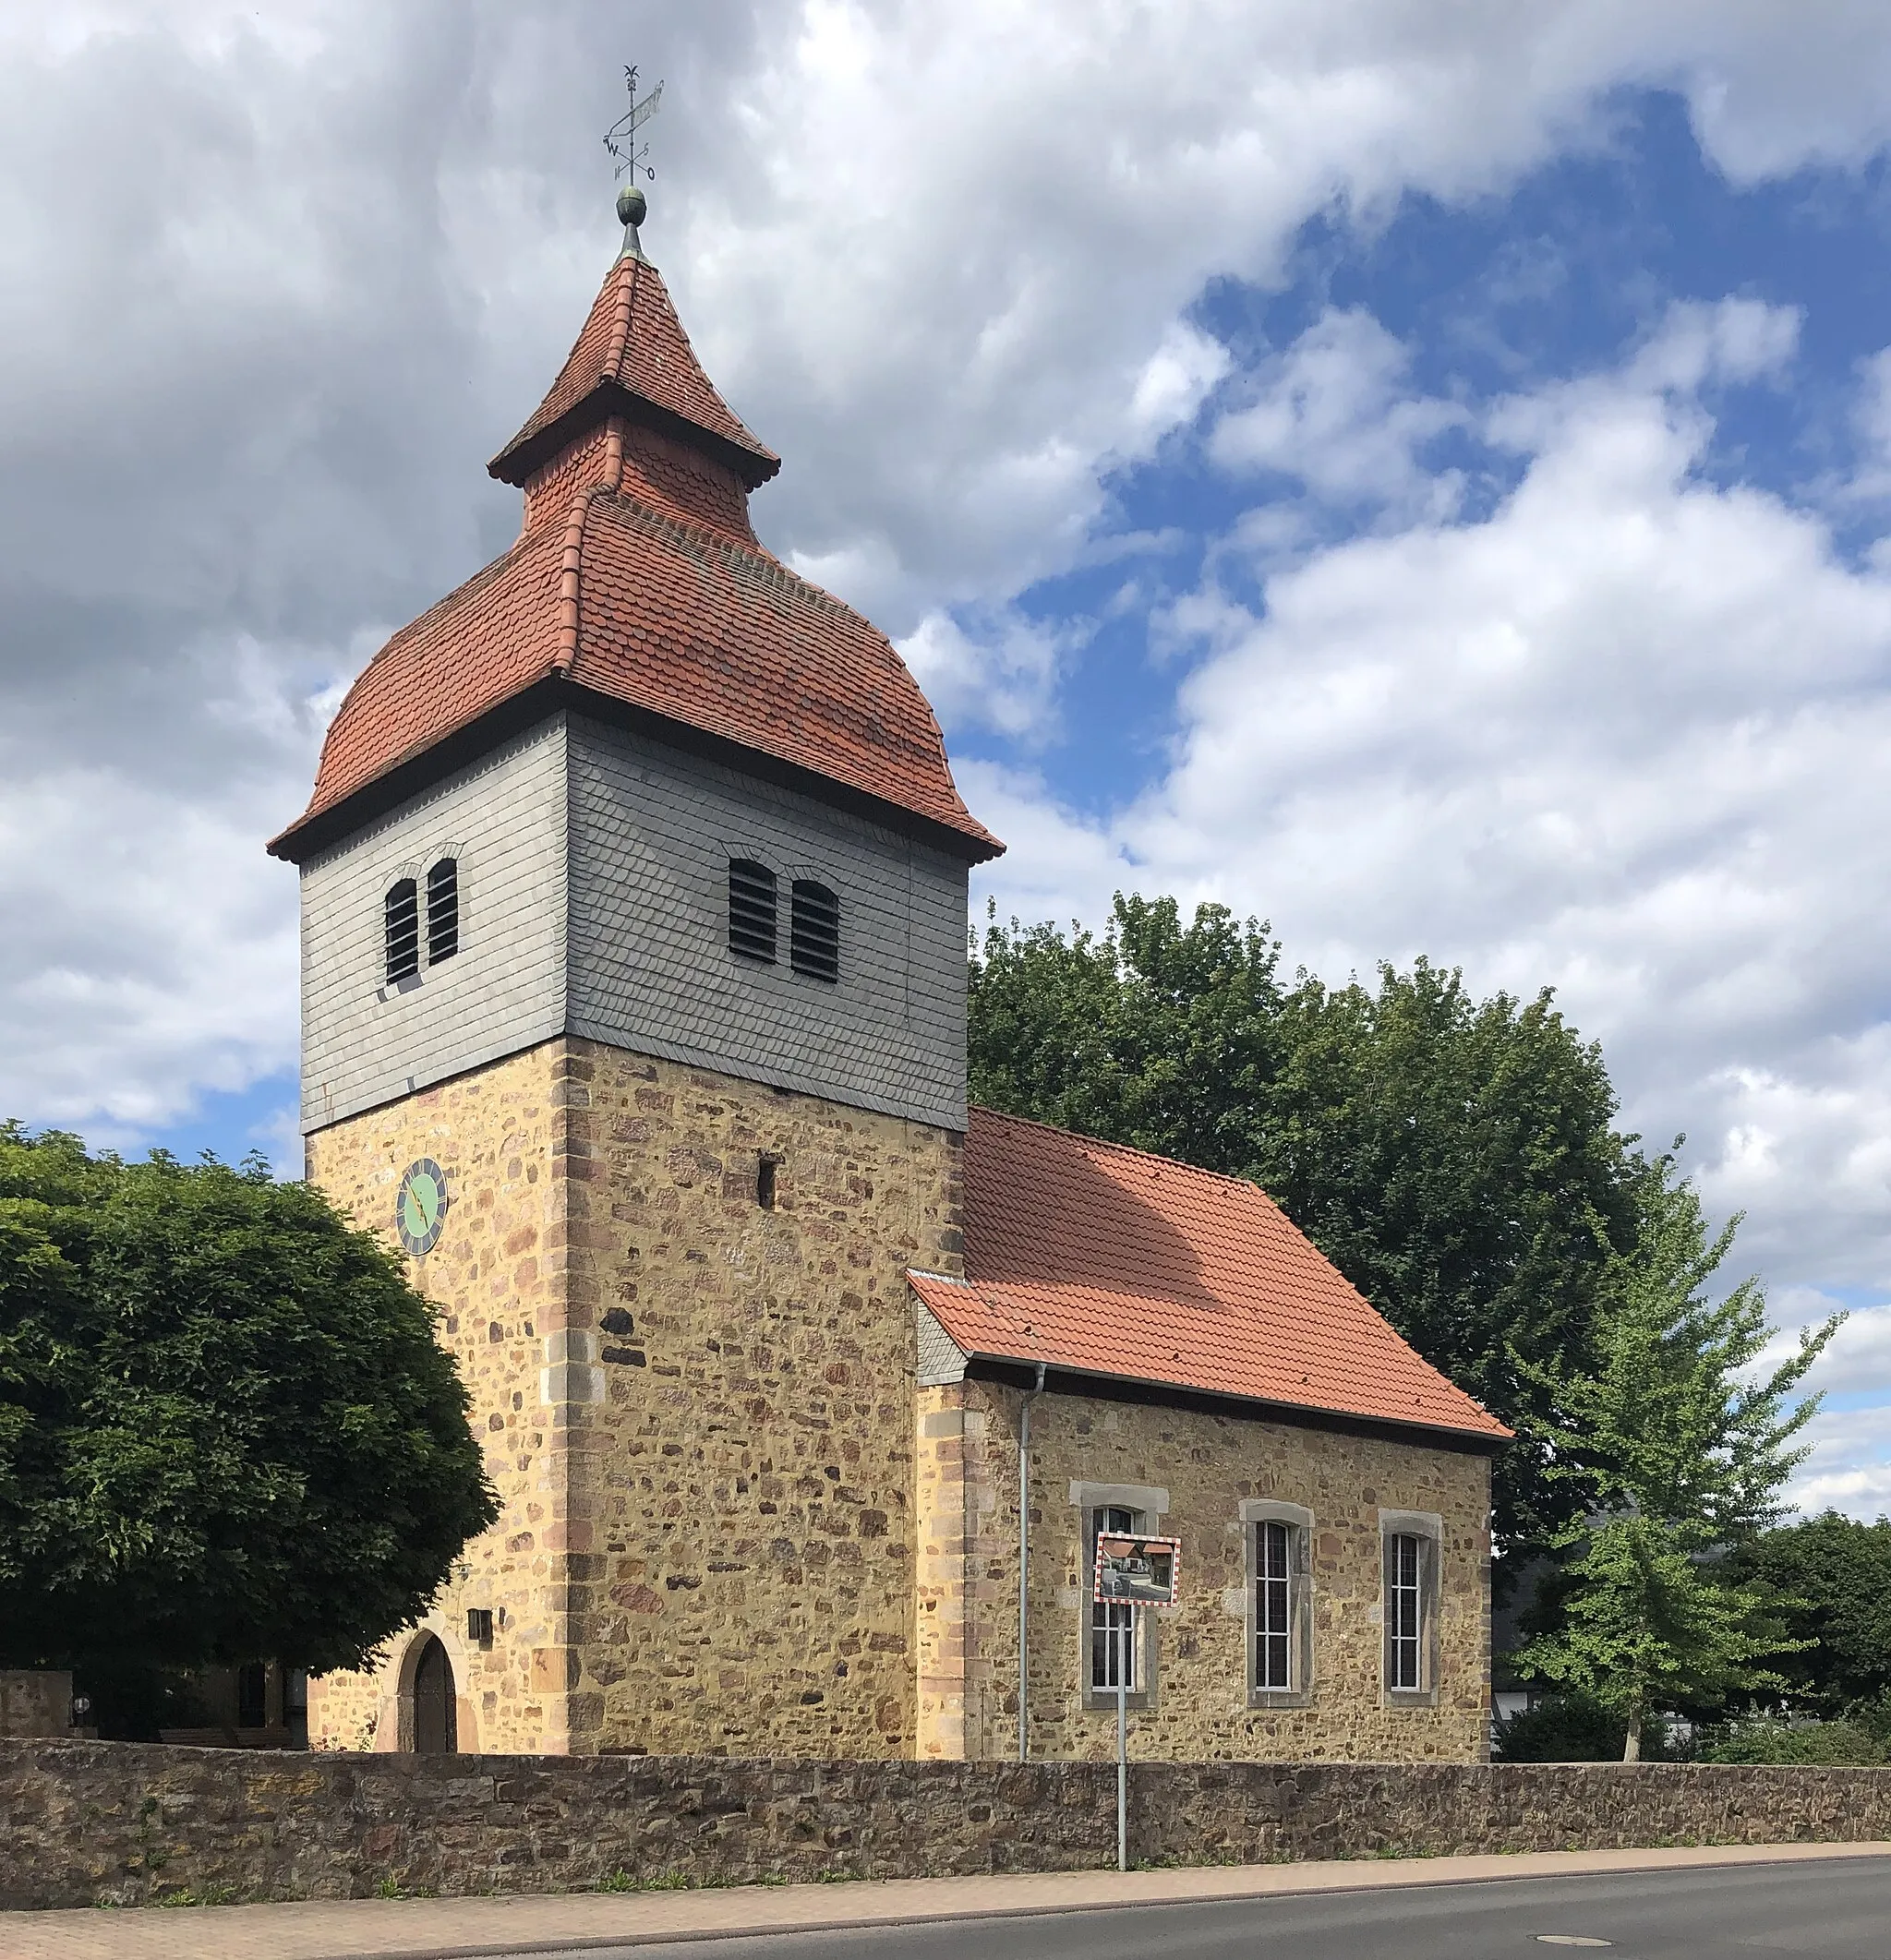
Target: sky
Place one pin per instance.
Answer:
(1416, 473)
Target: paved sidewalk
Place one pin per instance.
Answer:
(447, 1929)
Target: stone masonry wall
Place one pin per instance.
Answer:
(90, 1823)
(747, 1479)
(498, 1277)
(695, 1411)
(1205, 1465)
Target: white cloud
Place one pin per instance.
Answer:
(1002, 675)
(1335, 411)
(1856, 1361)
(1849, 1467)
(148, 953)
(943, 259)
(1176, 380)
(1621, 734)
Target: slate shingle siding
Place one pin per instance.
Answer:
(629, 944)
(363, 1045)
(652, 835)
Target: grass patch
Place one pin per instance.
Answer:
(392, 1888)
(198, 1895)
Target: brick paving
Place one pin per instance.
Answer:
(445, 1928)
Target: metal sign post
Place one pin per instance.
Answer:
(1132, 1571)
(1123, 1665)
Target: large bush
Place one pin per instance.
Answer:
(226, 1427)
(1572, 1728)
(1816, 1742)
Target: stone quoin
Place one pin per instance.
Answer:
(634, 920)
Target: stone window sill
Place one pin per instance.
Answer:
(1261, 1698)
(1410, 1698)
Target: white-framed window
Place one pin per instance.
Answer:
(1273, 1605)
(1114, 1642)
(1405, 1611)
(1410, 1545)
(1280, 1618)
(1113, 1661)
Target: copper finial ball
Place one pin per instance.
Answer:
(633, 206)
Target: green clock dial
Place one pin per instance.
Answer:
(420, 1209)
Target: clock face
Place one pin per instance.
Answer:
(420, 1210)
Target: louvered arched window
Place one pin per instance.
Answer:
(815, 931)
(403, 924)
(751, 910)
(443, 911)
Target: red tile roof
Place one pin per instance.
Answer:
(1112, 1262)
(637, 582)
(632, 354)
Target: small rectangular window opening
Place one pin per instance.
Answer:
(751, 910)
(403, 940)
(815, 931)
(1404, 1611)
(1273, 1621)
(1112, 1626)
(479, 1626)
(765, 1182)
(443, 911)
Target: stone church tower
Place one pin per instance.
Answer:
(634, 904)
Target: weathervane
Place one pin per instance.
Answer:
(620, 138)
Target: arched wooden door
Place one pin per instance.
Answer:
(436, 1716)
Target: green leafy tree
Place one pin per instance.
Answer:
(1680, 1452)
(227, 1428)
(1452, 1157)
(1833, 1575)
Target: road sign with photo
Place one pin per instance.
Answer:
(1134, 1570)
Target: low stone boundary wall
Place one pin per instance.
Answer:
(87, 1823)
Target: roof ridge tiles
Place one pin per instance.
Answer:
(628, 268)
(570, 580)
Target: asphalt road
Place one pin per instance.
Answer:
(1840, 1910)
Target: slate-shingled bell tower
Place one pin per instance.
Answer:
(633, 902)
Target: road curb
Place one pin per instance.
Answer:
(369, 1930)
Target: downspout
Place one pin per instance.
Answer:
(1024, 1561)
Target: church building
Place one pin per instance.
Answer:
(633, 944)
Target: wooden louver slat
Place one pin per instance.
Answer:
(815, 931)
(753, 906)
(443, 911)
(402, 930)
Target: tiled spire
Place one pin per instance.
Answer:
(634, 359)
(637, 591)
